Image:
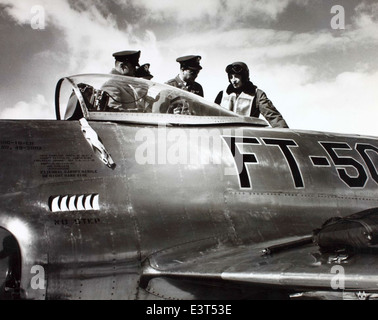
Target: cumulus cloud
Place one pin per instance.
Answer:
(258, 44)
(221, 32)
(226, 11)
(37, 108)
(346, 104)
(365, 22)
(90, 35)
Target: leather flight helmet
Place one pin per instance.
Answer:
(238, 68)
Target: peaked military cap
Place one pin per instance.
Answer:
(144, 71)
(190, 62)
(128, 56)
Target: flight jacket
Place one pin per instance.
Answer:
(250, 101)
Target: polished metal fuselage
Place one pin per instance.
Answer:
(91, 227)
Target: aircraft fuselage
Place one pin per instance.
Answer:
(90, 226)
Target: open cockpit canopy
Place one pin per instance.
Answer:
(106, 97)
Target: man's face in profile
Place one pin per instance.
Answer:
(189, 75)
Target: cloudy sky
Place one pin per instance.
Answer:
(318, 63)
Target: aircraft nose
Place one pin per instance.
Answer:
(10, 272)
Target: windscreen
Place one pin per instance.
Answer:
(113, 97)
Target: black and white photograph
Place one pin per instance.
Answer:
(207, 152)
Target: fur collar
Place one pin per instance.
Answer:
(248, 88)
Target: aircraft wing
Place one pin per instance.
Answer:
(294, 266)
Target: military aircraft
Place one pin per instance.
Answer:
(139, 190)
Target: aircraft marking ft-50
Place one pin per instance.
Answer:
(156, 193)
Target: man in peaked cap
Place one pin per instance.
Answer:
(126, 63)
(123, 97)
(189, 69)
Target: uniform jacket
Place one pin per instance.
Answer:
(195, 87)
(123, 97)
(251, 101)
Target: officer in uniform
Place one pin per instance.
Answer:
(189, 69)
(123, 97)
